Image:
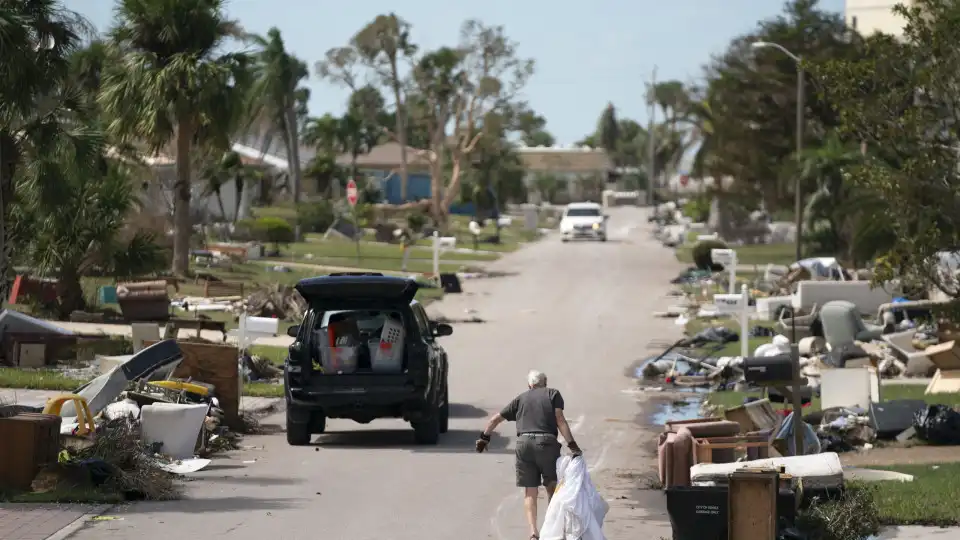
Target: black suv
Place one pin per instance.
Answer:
(364, 350)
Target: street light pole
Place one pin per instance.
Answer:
(651, 138)
(797, 209)
(797, 196)
(797, 199)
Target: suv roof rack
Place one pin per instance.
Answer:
(333, 274)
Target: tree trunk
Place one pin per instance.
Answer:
(293, 158)
(436, 192)
(182, 224)
(69, 295)
(353, 165)
(453, 190)
(6, 195)
(223, 210)
(401, 129)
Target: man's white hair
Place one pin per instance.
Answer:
(536, 379)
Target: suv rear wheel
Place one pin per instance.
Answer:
(298, 427)
(427, 429)
(318, 423)
(445, 411)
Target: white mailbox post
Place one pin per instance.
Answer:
(737, 304)
(728, 258)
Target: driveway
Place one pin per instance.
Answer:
(579, 312)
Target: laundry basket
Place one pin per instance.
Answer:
(386, 353)
(339, 359)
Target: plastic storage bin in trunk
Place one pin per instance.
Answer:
(386, 351)
(339, 359)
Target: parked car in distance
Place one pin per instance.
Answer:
(583, 220)
(365, 350)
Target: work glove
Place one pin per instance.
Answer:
(482, 442)
(574, 448)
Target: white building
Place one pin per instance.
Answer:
(871, 16)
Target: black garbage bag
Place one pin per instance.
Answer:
(937, 424)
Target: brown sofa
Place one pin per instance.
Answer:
(676, 447)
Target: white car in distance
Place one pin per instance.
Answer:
(583, 220)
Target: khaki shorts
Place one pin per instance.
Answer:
(537, 457)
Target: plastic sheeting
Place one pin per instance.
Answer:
(577, 510)
(811, 443)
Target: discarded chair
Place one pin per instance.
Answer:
(144, 301)
(84, 416)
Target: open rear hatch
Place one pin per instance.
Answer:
(357, 291)
(352, 292)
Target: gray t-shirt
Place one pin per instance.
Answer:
(534, 411)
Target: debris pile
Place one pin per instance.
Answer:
(131, 430)
(277, 301)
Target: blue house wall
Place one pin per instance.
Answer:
(418, 188)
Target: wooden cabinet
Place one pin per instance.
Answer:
(28, 442)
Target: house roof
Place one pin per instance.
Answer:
(158, 159)
(252, 156)
(386, 156)
(575, 159)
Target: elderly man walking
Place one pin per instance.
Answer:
(538, 413)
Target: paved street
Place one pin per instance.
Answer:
(579, 312)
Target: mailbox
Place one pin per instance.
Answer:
(768, 369)
(725, 257)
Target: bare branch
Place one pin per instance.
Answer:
(340, 67)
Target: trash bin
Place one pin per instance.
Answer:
(698, 512)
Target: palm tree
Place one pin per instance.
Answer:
(608, 130)
(219, 170)
(171, 84)
(82, 229)
(321, 134)
(700, 115)
(833, 209)
(275, 96)
(39, 113)
(384, 43)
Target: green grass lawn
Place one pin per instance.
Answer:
(888, 392)
(511, 237)
(49, 379)
(931, 499)
(252, 275)
(334, 248)
(753, 254)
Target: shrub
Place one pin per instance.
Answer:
(315, 217)
(701, 254)
(851, 517)
(416, 221)
(698, 208)
(273, 230)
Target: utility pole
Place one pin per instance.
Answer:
(651, 138)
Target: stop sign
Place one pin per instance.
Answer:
(352, 194)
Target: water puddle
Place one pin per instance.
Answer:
(683, 409)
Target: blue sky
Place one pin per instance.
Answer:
(587, 53)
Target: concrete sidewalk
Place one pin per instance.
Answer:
(37, 398)
(22, 521)
(44, 521)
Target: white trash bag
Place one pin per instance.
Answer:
(576, 511)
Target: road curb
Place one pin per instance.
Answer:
(78, 523)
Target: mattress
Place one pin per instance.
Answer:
(817, 471)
